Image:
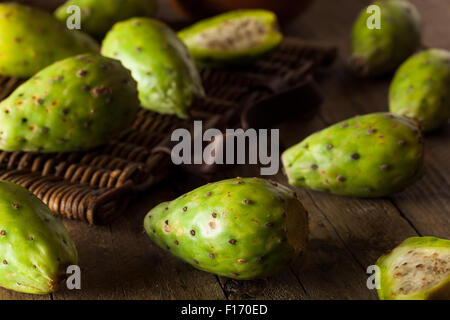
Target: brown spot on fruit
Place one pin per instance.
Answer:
(212, 224)
(208, 194)
(384, 167)
(241, 260)
(232, 241)
(82, 73)
(247, 201)
(5, 262)
(212, 256)
(214, 215)
(3, 233)
(269, 224)
(192, 232)
(330, 146)
(16, 206)
(355, 156)
(176, 242)
(340, 178)
(314, 166)
(185, 209)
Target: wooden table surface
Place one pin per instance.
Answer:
(347, 235)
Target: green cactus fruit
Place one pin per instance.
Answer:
(238, 228)
(98, 16)
(31, 39)
(420, 89)
(35, 248)
(75, 104)
(366, 156)
(418, 269)
(233, 37)
(376, 52)
(166, 75)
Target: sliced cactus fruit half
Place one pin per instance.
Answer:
(418, 269)
(233, 37)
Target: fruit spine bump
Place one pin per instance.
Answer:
(98, 16)
(233, 37)
(366, 156)
(75, 104)
(420, 89)
(32, 39)
(35, 247)
(417, 269)
(168, 80)
(376, 52)
(241, 228)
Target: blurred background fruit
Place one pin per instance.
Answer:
(286, 10)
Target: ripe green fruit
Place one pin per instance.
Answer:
(366, 156)
(31, 39)
(75, 104)
(377, 52)
(166, 75)
(420, 89)
(35, 248)
(238, 228)
(418, 269)
(98, 16)
(233, 37)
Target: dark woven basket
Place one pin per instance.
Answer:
(96, 186)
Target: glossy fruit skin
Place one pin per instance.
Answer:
(386, 280)
(166, 75)
(212, 57)
(75, 104)
(35, 247)
(376, 52)
(366, 156)
(420, 89)
(32, 39)
(241, 228)
(98, 16)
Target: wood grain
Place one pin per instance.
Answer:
(347, 235)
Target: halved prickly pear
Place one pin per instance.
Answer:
(35, 247)
(98, 16)
(31, 39)
(378, 51)
(366, 156)
(74, 104)
(418, 269)
(420, 89)
(238, 228)
(166, 75)
(233, 37)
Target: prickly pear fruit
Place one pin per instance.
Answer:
(238, 228)
(420, 89)
(35, 248)
(233, 37)
(75, 104)
(380, 51)
(98, 16)
(32, 39)
(418, 269)
(167, 77)
(366, 156)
